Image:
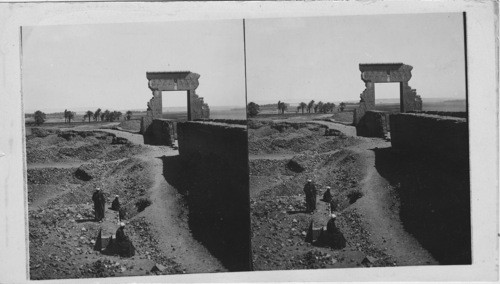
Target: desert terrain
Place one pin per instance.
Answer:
(65, 164)
(381, 212)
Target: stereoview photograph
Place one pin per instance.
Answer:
(358, 141)
(136, 149)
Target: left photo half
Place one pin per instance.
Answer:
(136, 149)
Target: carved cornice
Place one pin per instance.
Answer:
(173, 81)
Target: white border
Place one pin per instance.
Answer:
(483, 105)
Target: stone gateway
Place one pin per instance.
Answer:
(170, 81)
(386, 73)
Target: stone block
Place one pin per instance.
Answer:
(160, 132)
(373, 124)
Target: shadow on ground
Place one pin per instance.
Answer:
(435, 201)
(219, 214)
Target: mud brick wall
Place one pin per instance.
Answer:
(160, 132)
(216, 157)
(373, 124)
(443, 136)
(434, 182)
(197, 108)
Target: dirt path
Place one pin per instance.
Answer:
(168, 214)
(380, 207)
(371, 223)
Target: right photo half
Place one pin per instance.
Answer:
(358, 141)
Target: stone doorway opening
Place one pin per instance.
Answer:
(369, 119)
(175, 105)
(158, 130)
(386, 73)
(388, 97)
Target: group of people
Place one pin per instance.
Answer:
(100, 204)
(330, 235)
(122, 245)
(311, 194)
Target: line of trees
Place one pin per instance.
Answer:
(253, 109)
(319, 107)
(106, 115)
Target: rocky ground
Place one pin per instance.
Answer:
(283, 154)
(64, 168)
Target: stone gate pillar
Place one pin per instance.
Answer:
(155, 104)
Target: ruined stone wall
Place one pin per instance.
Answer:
(159, 132)
(444, 136)
(373, 124)
(215, 156)
(198, 108)
(430, 164)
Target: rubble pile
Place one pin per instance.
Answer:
(77, 146)
(62, 230)
(279, 220)
(289, 138)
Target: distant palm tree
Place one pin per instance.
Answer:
(342, 106)
(128, 114)
(39, 117)
(65, 115)
(252, 109)
(303, 105)
(318, 106)
(70, 115)
(284, 106)
(117, 115)
(97, 114)
(89, 114)
(105, 115)
(310, 106)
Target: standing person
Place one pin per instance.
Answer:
(310, 191)
(99, 203)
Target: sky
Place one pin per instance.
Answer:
(90, 66)
(299, 59)
(288, 59)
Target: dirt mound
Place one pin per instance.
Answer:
(133, 125)
(279, 220)
(77, 146)
(43, 132)
(62, 233)
(287, 138)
